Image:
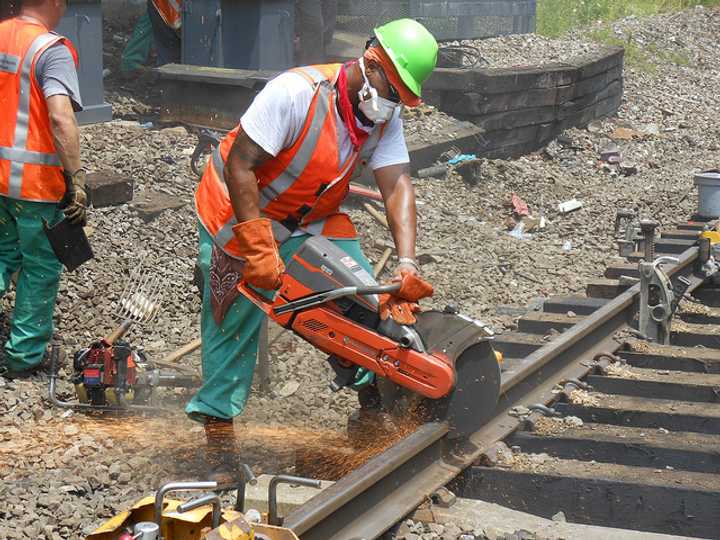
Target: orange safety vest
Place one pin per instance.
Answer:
(170, 11)
(30, 168)
(303, 187)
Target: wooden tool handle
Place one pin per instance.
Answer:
(382, 262)
(182, 351)
(119, 332)
(374, 212)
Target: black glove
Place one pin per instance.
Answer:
(74, 203)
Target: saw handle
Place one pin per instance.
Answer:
(313, 299)
(317, 299)
(379, 289)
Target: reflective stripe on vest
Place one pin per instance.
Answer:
(225, 234)
(314, 76)
(18, 154)
(301, 159)
(9, 63)
(294, 169)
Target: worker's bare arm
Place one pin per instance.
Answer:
(399, 196)
(65, 132)
(245, 156)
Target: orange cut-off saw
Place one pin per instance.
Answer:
(445, 359)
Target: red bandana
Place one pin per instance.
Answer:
(358, 136)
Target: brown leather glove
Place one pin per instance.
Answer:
(402, 305)
(263, 265)
(74, 203)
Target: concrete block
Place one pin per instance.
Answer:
(153, 203)
(473, 514)
(108, 188)
(289, 497)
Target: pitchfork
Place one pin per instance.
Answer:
(139, 302)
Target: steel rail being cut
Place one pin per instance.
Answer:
(370, 500)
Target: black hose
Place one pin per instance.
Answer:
(460, 57)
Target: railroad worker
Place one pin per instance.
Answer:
(166, 20)
(41, 175)
(316, 21)
(281, 176)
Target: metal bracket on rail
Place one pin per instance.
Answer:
(574, 384)
(443, 498)
(626, 231)
(604, 360)
(273, 518)
(657, 299)
(248, 477)
(544, 409)
(709, 256)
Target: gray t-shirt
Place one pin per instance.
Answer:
(56, 74)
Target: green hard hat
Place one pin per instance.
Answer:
(412, 49)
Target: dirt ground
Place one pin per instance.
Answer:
(64, 473)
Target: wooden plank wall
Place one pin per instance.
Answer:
(521, 109)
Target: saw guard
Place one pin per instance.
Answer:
(472, 401)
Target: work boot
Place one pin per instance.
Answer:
(222, 452)
(44, 367)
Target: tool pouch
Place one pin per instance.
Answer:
(69, 243)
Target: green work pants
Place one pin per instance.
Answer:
(137, 50)
(229, 351)
(24, 247)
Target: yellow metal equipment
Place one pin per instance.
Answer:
(713, 236)
(195, 524)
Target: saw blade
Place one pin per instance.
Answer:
(473, 400)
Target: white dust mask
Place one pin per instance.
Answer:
(377, 109)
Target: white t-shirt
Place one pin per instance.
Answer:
(56, 74)
(276, 117)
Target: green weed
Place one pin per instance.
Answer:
(635, 56)
(555, 17)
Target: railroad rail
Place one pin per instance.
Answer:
(371, 499)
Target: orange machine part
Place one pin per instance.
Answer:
(430, 375)
(426, 374)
